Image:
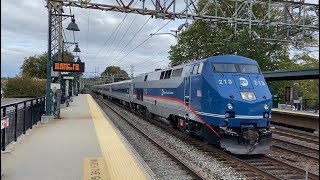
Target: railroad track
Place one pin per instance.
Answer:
(306, 152)
(253, 167)
(296, 134)
(190, 170)
(278, 168)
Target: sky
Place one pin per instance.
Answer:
(24, 33)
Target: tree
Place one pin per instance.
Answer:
(114, 70)
(310, 88)
(115, 73)
(29, 66)
(204, 39)
(21, 87)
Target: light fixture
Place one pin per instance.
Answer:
(73, 26)
(231, 37)
(76, 49)
(248, 96)
(255, 35)
(182, 25)
(78, 60)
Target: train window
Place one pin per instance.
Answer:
(221, 67)
(248, 68)
(200, 68)
(162, 75)
(145, 77)
(176, 72)
(195, 69)
(167, 75)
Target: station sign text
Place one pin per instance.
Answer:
(68, 66)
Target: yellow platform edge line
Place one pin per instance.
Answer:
(292, 112)
(119, 161)
(94, 168)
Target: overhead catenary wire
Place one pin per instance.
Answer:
(114, 39)
(153, 62)
(162, 60)
(110, 37)
(147, 38)
(65, 37)
(155, 56)
(131, 40)
(148, 59)
(141, 43)
(88, 29)
(125, 32)
(124, 36)
(134, 35)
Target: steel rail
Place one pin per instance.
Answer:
(169, 152)
(238, 164)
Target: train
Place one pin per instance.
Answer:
(222, 99)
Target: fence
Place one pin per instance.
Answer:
(22, 116)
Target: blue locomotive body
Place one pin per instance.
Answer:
(223, 99)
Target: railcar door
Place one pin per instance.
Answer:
(187, 87)
(140, 94)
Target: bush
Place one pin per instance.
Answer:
(25, 87)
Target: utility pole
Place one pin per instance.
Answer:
(48, 91)
(131, 69)
(187, 7)
(59, 6)
(53, 97)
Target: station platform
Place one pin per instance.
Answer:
(302, 119)
(83, 144)
(301, 113)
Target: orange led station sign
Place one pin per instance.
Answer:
(68, 66)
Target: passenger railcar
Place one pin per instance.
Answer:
(223, 99)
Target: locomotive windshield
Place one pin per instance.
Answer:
(248, 68)
(236, 68)
(224, 67)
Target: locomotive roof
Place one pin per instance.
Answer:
(119, 82)
(218, 58)
(231, 59)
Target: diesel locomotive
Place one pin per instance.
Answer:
(223, 99)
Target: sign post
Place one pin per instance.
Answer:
(4, 122)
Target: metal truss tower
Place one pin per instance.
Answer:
(54, 53)
(297, 15)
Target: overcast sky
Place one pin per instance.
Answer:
(24, 33)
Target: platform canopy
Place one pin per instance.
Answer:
(292, 74)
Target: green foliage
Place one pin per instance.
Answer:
(310, 88)
(29, 67)
(20, 87)
(114, 70)
(204, 39)
(200, 40)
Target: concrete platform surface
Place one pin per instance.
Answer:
(83, 144)
(54, 151)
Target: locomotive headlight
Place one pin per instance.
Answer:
(248, 96)
(266, 107)
(230, 106)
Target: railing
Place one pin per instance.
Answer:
(22, 116)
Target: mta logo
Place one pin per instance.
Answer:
(243, 81)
